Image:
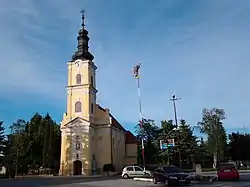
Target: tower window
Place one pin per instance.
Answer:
(91, 81)
(78, 79)
(78, 106)
(92, 108)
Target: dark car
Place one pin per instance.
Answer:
(170, 175)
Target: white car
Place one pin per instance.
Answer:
(134, 171)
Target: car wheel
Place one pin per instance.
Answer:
(125, 176)
(154, 181)
(166, 182)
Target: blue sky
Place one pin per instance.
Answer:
(198, 50)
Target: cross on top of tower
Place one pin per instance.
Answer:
(83, 17)
(82, 47)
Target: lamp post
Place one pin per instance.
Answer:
(173, 99)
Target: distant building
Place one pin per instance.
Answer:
(91, 136)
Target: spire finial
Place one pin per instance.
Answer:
(82, 12)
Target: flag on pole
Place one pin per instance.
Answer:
(136, 70)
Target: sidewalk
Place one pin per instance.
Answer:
(209, 173)
(62, 177)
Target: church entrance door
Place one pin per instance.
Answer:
(77, 167)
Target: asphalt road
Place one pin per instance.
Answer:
(105, 182)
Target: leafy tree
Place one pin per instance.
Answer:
(211, 125)
(165, 133)
(2, 142)
(33, 144)
(187, 144)
(149, 133)
(239, 147)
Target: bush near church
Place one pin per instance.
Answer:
(108, 168)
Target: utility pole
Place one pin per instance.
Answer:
(173, 99)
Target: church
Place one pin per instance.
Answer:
(90, 134)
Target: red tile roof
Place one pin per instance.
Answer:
(114, 121)
(130, 138)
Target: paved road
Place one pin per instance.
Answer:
(103, 182)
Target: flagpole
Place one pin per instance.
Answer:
(141, 119)
(136, 74)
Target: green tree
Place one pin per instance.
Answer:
(239, 147)
(165, 133)
(2, 143)
(33, 144)
(203, 156)
(16, 147)
(149, 133)
(187, 144)
(211, 125)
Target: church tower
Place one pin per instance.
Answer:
(80, 116)
(81, 90)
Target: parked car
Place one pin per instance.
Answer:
(170, 175)
(134, 171)
(227, 171)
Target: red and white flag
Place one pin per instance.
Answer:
(136, 70)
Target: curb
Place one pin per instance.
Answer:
(143, 179)
(193, 181)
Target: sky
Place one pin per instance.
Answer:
(198, 50)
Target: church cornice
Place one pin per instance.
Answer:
(89, 62)
(82, 86)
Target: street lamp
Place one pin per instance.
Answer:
(173, 99)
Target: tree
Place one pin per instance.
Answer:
(2, 142)
(239, 147)
(165, 133)
(17, 146)
(149, 133)
(212, 126)
(186, 143)
(33, 144)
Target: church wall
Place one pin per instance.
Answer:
(118, 139)
(131, 154)
(101, 116)
(103, 147)
(131, 149)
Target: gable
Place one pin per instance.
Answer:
(77, 122)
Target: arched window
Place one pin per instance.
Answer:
(78, 106)
(92, 108)
(78, 79)
(91, 81)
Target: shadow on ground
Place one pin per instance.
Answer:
(50, 181)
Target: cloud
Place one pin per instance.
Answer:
(198, 50)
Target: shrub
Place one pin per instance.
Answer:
(108, 168)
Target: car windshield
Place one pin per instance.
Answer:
(171, 169)
(226, 166)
